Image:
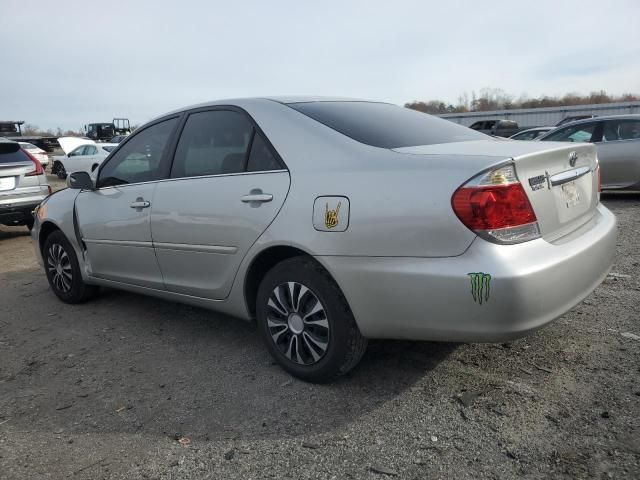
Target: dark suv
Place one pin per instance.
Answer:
(23, 184)
(497, 128)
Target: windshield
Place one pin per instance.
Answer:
(385, 125)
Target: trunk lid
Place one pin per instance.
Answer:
(68, 144)
(560, 179)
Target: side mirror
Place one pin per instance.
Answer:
(80, 181)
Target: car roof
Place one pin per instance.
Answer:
(285, 100)
(604, 117)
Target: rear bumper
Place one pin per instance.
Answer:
(531, 284)
(19, 210)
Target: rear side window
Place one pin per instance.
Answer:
(261, 158)
(621, 130)
(214, 142)
(385, 125)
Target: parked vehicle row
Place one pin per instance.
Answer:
(332, 222)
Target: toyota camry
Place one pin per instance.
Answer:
(334, 221)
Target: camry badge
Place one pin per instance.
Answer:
(536, 183)
(573, 158)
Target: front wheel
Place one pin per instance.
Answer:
(59, 170)
(63, 270)
(306, 322)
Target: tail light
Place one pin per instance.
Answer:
(38, 166)
(495, 206)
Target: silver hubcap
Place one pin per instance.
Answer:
(298, 323)
(59, 268)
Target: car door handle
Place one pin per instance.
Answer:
(140, 204)
(257, 197)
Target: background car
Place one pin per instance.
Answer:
(80, 155)
(531, 133)
(23, 184)
(36, 152)
(617, 139)
(118, 138)
(497, 128)
(331, 222)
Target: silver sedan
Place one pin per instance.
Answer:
(334, 221)
(617, 138)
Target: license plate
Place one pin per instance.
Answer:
(570, 194)
(7, 183)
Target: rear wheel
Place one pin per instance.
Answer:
(63, 270)
(306, 322)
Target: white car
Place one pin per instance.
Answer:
(36, 152)
(81, 155)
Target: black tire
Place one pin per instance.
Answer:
(345, 345)
(29, 223)
(66, 281)
(59, 170)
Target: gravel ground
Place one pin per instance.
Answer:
(133, 387)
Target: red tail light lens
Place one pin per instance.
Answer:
(496, 207)
(38, 166)
(489, 208)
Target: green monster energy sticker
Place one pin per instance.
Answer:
(480, 286)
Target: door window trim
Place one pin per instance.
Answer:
(163, 159)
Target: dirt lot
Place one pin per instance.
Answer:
(106, 390)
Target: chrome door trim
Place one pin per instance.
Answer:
(261, 172)
(185, 247)
(568, 176)
(122, 243)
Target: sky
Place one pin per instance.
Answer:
(68, 63)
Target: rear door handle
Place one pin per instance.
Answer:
(140, 204)
(257, 197)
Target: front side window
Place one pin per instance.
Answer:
(384, 125)
(214, 142)
(621, 130)
(575, 133)
(139, 160)
(78, 151)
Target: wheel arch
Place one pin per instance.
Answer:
(261, 264)
(46, 229)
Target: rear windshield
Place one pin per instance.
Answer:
(109, 148)
(11, 153)
(385, 125)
